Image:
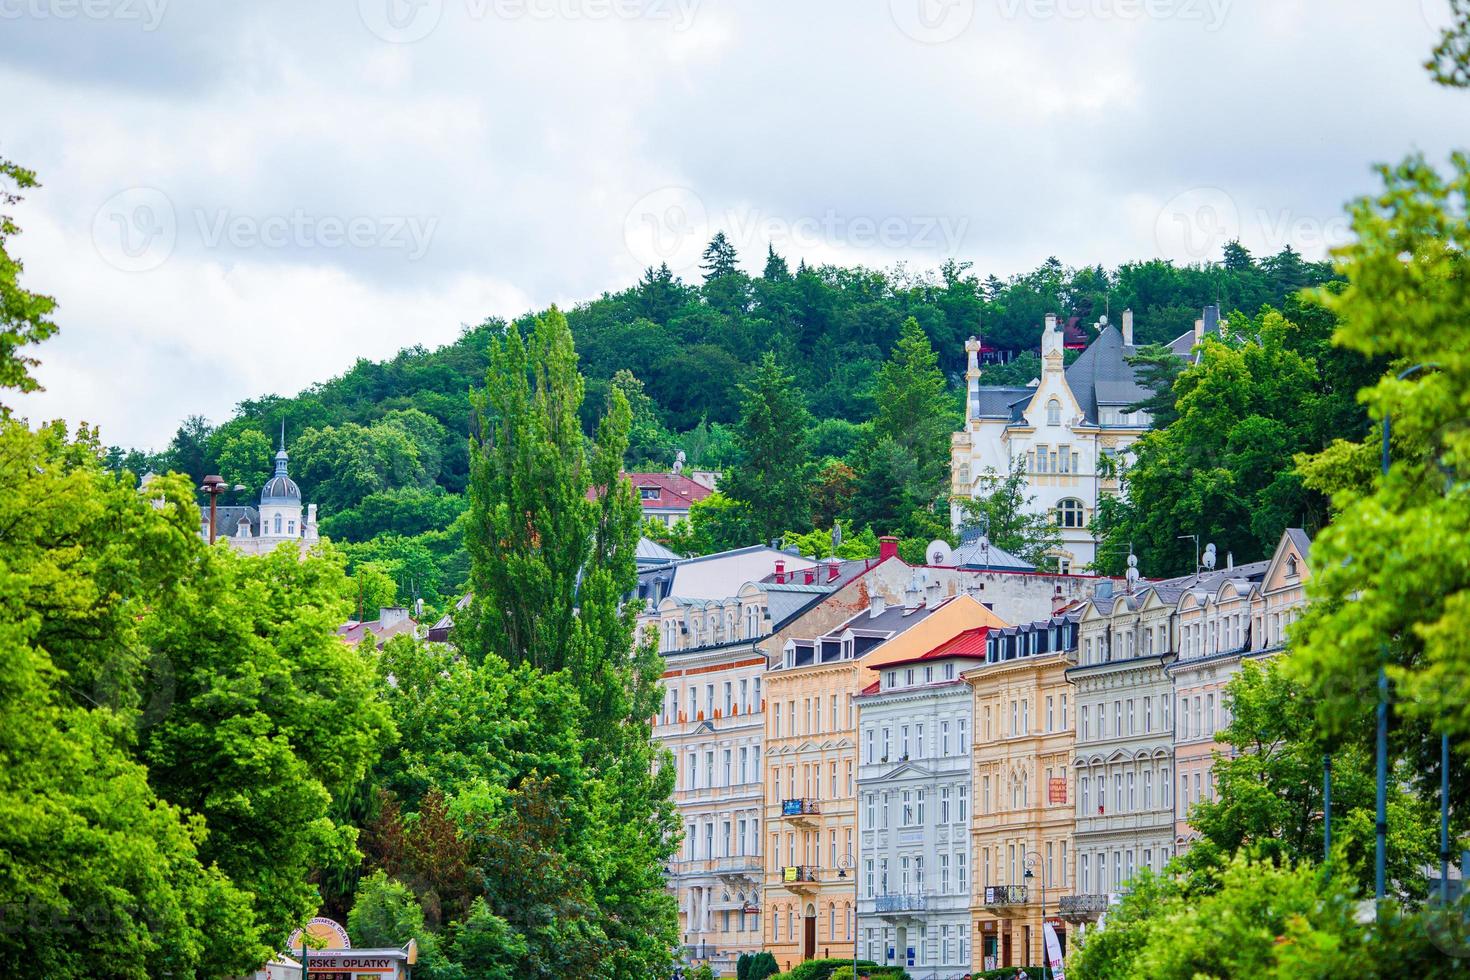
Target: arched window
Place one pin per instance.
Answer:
(278, 523)
(1053, 412)
(1070, 513)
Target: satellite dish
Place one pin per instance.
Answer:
(1208, 558)
(939, 552)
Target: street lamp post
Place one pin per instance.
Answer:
(845, 864)
(1032, 860)
(214, 486)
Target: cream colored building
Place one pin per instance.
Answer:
(811, 756)
(1241, 617)
(1071, 430)
(1024, 820)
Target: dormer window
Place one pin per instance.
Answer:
(648, 493)
(892, 679)
(1291, 566)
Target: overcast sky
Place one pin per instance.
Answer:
(242, 198)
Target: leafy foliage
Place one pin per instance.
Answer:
(25, 317)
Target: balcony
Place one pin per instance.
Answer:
(739, 872)
(898, 907)
(801, 879)
(1004, 899)
(801, 812)
(1081, 908)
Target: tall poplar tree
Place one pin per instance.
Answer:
(552, 533)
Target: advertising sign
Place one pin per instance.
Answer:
(1056, 790)
(1053, 951)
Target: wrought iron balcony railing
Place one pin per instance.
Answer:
(900, 903)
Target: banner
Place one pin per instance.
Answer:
(1053, 951)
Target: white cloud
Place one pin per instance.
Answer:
(528, 135)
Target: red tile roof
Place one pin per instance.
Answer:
(675, 490)
(970, 644)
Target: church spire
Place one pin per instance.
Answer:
(281, 456)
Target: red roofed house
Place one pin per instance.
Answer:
(666, 496)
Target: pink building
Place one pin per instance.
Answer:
(1239, 618)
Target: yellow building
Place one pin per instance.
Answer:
(1023, 814)
(810, 757)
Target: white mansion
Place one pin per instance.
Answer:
(1069, 431)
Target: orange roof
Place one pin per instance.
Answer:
(969, 644)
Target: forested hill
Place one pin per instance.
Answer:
(382, 448)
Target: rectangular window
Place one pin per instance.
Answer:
(962, 868)
(964, 804)
(963, 736)
(944, 738)
(944, 875)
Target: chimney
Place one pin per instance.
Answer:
(834, 569)
(1051, 337)
(887, 547)
(780, 572)
(1229, 559)
(1128, 328)
(811, 575)
(876, 605)
(390, 616)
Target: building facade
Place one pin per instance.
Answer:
(811, 758)
(711, 722)
(280, 516)
(1022, 832)
(1068, 432)
(1242, 617)
(1123, 707)
(914, 793)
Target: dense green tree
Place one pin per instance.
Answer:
(25, 317)
(272, 718)
(100, 877)
(246, 458)
(770, 479)
(190, 452)
(916, 410)
(1223, 469)
(1257, 919)
(1390, 582)
(1003, 510)
(1268, 796)
(552, 531)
